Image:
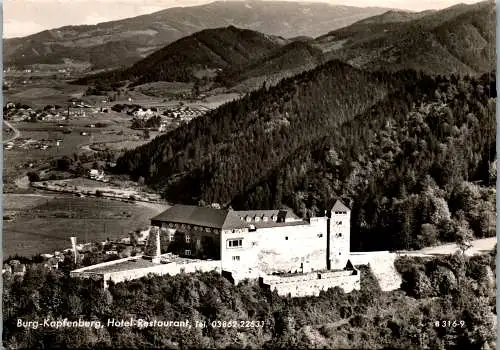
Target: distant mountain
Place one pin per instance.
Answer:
(426, 41)
(459, 39)
(286, 61)
(199, 55)
(122, 43)
(392, 16)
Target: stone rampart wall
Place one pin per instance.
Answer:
(172, 268)
(313, 287)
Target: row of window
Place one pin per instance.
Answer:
(189, 227)
(236, 243)
(257, 218)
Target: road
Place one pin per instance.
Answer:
(478, 246)
(17, 133)
(382, 262)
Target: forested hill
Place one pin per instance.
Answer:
(291, 59)
(459, 39)
(418, 168)
(224, 153)
(335, 132)
(197, 55)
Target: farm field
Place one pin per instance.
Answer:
(47, 226)
(15, 159)
(40, 91)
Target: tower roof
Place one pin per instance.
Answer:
(339, 206)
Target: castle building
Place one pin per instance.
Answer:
(293, 256)
(257, 240)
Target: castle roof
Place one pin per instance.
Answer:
(193, 215)
(339, 206)
(227, 219)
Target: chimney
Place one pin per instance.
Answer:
(73, 247)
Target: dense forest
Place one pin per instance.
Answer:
(411, 154)
(450, 289)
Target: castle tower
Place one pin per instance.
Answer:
(338, 236)
(152, 250)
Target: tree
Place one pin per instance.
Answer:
(428, 236)
(464, 235)
(33, 176)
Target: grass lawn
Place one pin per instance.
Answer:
(46, 227)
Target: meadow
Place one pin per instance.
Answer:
(49, 223)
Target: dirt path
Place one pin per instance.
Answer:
(17, 133)
(478, 246)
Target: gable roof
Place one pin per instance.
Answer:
(226, 219)
(339, 206)
(193, 215)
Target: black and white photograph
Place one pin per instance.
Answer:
(249, 174)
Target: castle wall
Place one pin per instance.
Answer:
(310, 284)
(293, 248)
(161, 270)
(277, 249)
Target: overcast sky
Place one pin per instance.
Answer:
(24, 17)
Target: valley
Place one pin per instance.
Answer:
(350, 152)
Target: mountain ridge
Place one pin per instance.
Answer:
(134, 38)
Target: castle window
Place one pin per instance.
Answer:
(286, 238)
(236, 258)
(235, 243)
(171, 236)
(265, 218)
(188, 239)
(340, 253)
(248, 218)
(187, 252)
(274, 217)
(256, 218)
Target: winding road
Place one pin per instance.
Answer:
(17, 133)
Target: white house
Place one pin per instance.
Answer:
(96, 174)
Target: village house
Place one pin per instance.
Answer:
(17, 268)
(96, 174)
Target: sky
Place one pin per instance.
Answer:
(24, 17)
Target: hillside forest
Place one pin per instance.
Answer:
(456, 291)
(412, 155)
